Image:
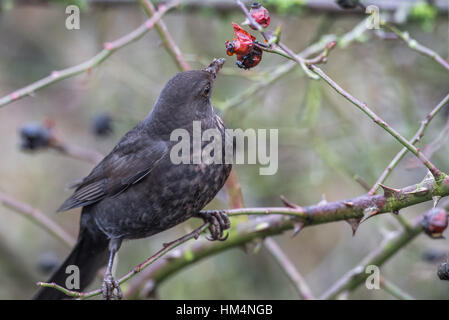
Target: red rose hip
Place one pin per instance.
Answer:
(260, 14)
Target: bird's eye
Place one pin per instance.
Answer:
(206, 90)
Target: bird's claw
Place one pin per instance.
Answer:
(219, 222)
(108, 287)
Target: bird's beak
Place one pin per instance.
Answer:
(215, 66)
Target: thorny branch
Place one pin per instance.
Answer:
(276, 220)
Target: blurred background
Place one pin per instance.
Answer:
(324, 142)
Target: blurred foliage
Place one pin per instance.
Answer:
(284, 6)
(425, 14)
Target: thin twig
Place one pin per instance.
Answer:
(166, 248)
(416, 46)
(109, 48)
(438, 175)
(289, 268)
(355, 277)
(86, 155)
(394, 290)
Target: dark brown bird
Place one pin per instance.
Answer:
(137, 191)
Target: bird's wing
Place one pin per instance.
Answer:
(128, 163)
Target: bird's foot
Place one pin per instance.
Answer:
(111, 288)
(219, 222)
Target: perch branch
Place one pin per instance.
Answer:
(274, 221)
(166, 248)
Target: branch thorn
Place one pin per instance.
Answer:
(389, 192)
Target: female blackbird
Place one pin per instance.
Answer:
(136, 191)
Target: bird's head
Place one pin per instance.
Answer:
(186, 96)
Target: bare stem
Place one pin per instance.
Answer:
(289, 269)
(394, 290)
(416, 46)
(355, 277)
(89, 156)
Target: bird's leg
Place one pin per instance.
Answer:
(219, 222)
(109, 283)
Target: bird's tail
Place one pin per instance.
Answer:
(89, 255)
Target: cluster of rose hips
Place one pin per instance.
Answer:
(243, 45)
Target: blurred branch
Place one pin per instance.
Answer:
(37, 217)
(109, 48)
(416, 46)
(89, 156)
(166, 37)
(394, 290)
(355, 277)
(289, 268)
(418, 136)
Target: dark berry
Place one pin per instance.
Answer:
(434, 223)
(47, 262)
(34, 136)
(250, 60)
(443, 271)
(433, 255)
(102, 125)
(348, 4)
